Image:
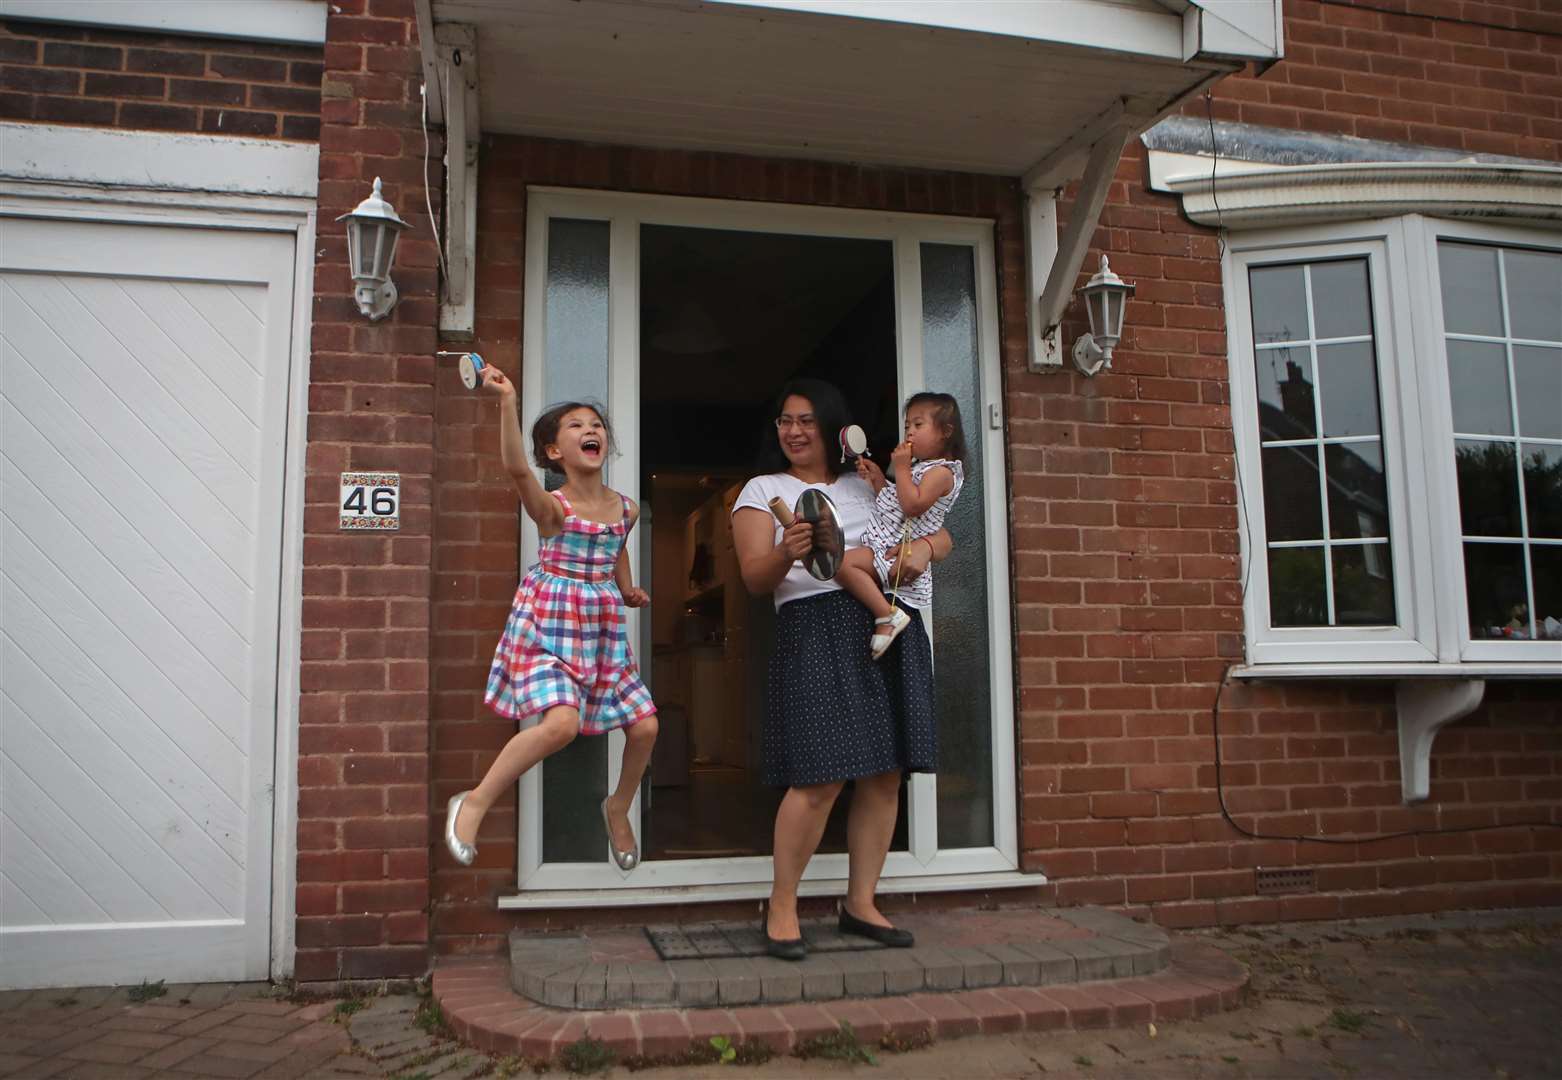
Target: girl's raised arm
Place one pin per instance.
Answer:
(541, 507)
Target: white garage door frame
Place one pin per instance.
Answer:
(245, 185)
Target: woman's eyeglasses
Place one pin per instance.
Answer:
(806, 422)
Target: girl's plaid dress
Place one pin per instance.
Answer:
(565, 642)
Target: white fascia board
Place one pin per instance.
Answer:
(297, 21)
(158, 161)
(1250, 29)
(1091, 24)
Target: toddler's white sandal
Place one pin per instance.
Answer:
(893, 624)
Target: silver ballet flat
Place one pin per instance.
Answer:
(626, 860)
(462, 852)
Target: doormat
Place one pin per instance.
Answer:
(712, 941)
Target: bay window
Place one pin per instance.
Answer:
(1397, 401)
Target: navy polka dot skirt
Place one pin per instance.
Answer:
(832, 711)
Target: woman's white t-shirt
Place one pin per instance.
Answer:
(853, 499)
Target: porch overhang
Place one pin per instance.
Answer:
(1048, 92)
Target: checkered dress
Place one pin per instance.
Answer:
(565, 642)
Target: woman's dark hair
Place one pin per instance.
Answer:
(946, 414)
(829, 410)
(545, 432)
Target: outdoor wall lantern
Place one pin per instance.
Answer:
(372, 231)
(1106, 298)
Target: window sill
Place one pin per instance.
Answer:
(1515, 669)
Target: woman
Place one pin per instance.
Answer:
(832, 714)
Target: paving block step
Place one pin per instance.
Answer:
(971, 950)
(482, 1009)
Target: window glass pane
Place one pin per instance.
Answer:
(1341, 303)
(575, 359)
(1348, 375)
(1534, 294)
(1488, 488)
(1285, 394)
(1543, 488)
(1537, 375)
(1478, 385)
(1471, 303)
(1358, 497)
(1297, 595)
(1279, 304)
(1494, 583)
(1291, 499)
(1363, 585)
(952, 363)
(1546, 561)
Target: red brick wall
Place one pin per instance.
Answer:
(1463, 75)
(363, 829)
(108, 78)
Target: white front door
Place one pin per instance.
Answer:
(668, 310)
(145, 376)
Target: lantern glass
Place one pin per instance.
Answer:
(1096, 308)
(391, 237)
(1112, 321)
(355, 246)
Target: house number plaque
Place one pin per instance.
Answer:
(371, 500)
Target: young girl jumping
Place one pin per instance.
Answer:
(563, 666)
(928, 478)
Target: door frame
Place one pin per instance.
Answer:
(923, 867)
(285, 178)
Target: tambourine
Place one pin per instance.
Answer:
(815, 507)
(471, 367)
(854, 443)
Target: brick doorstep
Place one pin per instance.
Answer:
(483, 1009)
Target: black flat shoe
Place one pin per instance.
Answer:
(884, 935)
(785, 948)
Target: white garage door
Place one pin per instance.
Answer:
(144, 385)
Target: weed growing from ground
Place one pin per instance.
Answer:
(839, 1045)
(1347, 1020)
(586, 1056)
(431, 1018)
(147, 991)
(345, 1009)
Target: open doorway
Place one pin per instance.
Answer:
(726, 318)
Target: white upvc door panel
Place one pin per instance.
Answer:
(143, 418)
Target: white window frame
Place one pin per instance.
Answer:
(1437, 406)
(1432, 633)
(1410, 639)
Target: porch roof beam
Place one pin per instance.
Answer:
(1100, 168)
(1062, 164)
(456, 48)
(428, 52)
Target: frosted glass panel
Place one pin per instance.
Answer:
(961, 647)
(575, 314)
